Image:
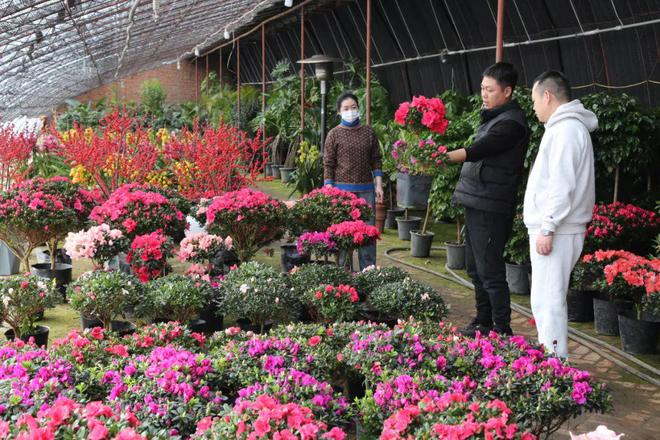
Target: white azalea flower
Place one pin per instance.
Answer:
(244, 288)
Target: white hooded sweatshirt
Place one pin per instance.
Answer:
(560, 192)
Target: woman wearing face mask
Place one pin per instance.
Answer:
(352, 162)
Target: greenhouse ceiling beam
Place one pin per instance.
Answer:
(100, 41)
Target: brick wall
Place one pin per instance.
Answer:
(178, 84)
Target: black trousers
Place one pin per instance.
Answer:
(486, 233)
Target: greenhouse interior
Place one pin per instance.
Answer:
(218, 219)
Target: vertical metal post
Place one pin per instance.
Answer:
(302, 73)
(220, 74)
(196, 83)
(238, 79)
(368, 63)
(499, 45)
(263, 79)
(207, 74)
(324, 92)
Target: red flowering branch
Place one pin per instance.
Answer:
(15, 151)
(120, 152)
(210, 162)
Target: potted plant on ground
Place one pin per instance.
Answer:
(308, 174)
(316, 244)
(581, 291)
(98, 243)
(350, 236)
(406, 298)
(15, 151)
(328, 303)
(637, 278)
(41, 211)
(148, 255)
(251, 218)
(372, 277)
(22, 298)
(608, 305)
(176, 297)
(516, 257)
(443, 208)
(257, 295)
(102, 296)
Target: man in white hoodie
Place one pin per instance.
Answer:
(559, 202)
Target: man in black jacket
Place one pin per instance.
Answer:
(487, 187)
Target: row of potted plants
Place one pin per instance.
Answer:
(310, 380)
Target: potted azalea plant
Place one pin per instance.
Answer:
(402, 299)
(176, 297)
(148, 255)
(41, 211)
(420, 119)
(329, 303)
(352, 235)
(257, 294)
(319, 244)
(635, 277)
(102, 296)
(99, 243)
(22, 298)
(251, 218)
(15, 151)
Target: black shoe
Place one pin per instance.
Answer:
(503, 330)
(473, 327)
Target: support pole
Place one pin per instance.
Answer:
(220, 70)
(238, 80)
(263, 80)
(196, 83)
(499, 44)
(368, 64)
(207, 74)
(302, 73)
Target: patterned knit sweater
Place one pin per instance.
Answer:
(352, 158)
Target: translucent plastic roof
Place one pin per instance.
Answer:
(51, 50)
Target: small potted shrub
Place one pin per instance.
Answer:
(22, 298)
(516, 256)
(256, 294)
(622, 226)
(148, 255)
(176, 297)
(608, 305)
(98, 243)
(421, 240)
(329, 303)
(407, 298)
(251, 218)
(352, 235)
(203, 248)
(635, 277)
(316, 244)
(302, 278)
(581, 291)
(373, 277)
(104, 296)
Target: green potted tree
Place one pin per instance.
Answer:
(176, 297)
(22, 298)
(257, 295)
(516, 257)
(102, 296)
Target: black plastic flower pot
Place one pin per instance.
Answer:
(580, 305)
(285, 174)
(290, 258)
(223, 261)
(246, 325)
(123, 328)
(89, 322)
(197, 325)
(213, 319)
(606, 319)
(646, 316)
(391, 215)
(276, 171)
(43, 256)
(517, 277)
(62, 274)
(637, 336)
(40, 335)
(420, 244)
(455, 255)
(268, 170)
(412, 191)
(405, 225)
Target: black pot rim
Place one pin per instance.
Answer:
(39, 330)
(454, 244)
(409, 219)
(418, 233)
(515, 265)
(58, 266)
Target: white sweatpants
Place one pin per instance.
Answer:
(550, 278)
